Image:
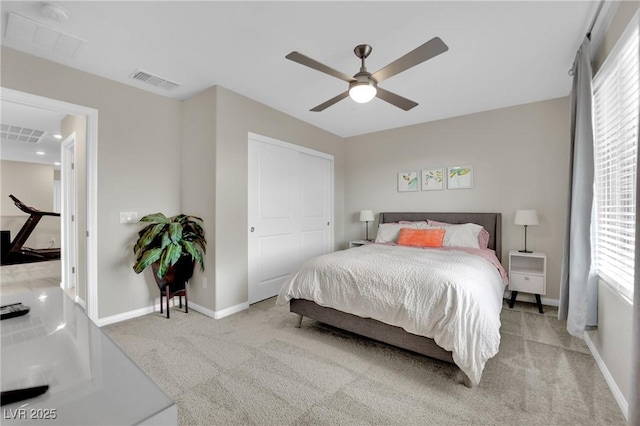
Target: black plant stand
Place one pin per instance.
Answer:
(175, 282)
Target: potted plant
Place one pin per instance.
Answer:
(172, 246)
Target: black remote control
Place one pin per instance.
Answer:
(9, 397)
(13, 310)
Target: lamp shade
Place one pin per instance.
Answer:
(362, 92)
(526, 217)
(366, 215)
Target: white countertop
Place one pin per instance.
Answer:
(91, 381)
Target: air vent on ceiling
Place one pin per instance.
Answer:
(154, 80)
(20, 134)
(37, 35)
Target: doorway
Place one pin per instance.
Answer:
(69, 213)
(88, 287)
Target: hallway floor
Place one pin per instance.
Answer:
(15, 279)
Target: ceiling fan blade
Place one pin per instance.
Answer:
(432, 48)
(312, 63)
(396, 100)
(330, 102)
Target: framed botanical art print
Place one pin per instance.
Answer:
(460, 177)
(407, 181)
(432, 179)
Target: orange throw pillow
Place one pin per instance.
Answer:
(421, 237)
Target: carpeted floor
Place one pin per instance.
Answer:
(255, 367)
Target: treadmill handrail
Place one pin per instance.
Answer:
(16, 253)
(19, 204)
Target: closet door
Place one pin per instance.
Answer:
(315, 189)
(289, 212)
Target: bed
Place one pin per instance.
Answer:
(405, 326)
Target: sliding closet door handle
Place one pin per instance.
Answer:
(252, 229)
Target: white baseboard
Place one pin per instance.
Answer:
(218, 314)
(125, 316)
(615, 390)
(531, 298)
(156, 307)
(82, 303)
(137, 312)
(204, 311)
(231, 310)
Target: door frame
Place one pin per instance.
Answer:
(305, 150)
(69, 215)
(91, 116)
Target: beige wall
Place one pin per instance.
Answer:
(78, 125)
(138, 164)
(139, 169)
(520, 157)
(612, 339)
(31, 183)
(198, 193)
(235, 117)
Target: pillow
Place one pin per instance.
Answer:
(483, 239)
(436, 223)
(483, 236)
(388, 232)
(421, 237)
(421, 224)
(465, 235)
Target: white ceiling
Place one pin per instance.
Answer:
(500, 53)
(47, 149)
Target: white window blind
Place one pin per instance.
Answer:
(616, 104)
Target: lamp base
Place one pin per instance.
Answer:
(525, 251)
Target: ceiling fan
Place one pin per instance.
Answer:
(363, 86)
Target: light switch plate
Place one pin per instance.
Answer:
(128, 217)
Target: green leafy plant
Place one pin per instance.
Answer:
(167, 239)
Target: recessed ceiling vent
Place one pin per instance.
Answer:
(28, 31)
(154, 80)
(20, 134)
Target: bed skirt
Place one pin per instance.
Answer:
(370, 328)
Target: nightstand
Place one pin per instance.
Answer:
(358, 243)
(527, 273)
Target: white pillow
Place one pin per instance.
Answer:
(388, 232)
(421, 224)
(465, 235)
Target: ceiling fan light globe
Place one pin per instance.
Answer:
(362, 93)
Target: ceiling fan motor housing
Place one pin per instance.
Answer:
(363, 78)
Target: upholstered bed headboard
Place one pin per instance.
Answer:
(492, 222)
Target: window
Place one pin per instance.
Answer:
(616, 103)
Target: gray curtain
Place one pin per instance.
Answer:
(579, 285)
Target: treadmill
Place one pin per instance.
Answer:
(15, 252)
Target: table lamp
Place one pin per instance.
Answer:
(366, 216)
(526, 218)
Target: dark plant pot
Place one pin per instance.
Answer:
(177, 275)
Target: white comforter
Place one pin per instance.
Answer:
(452, 297)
